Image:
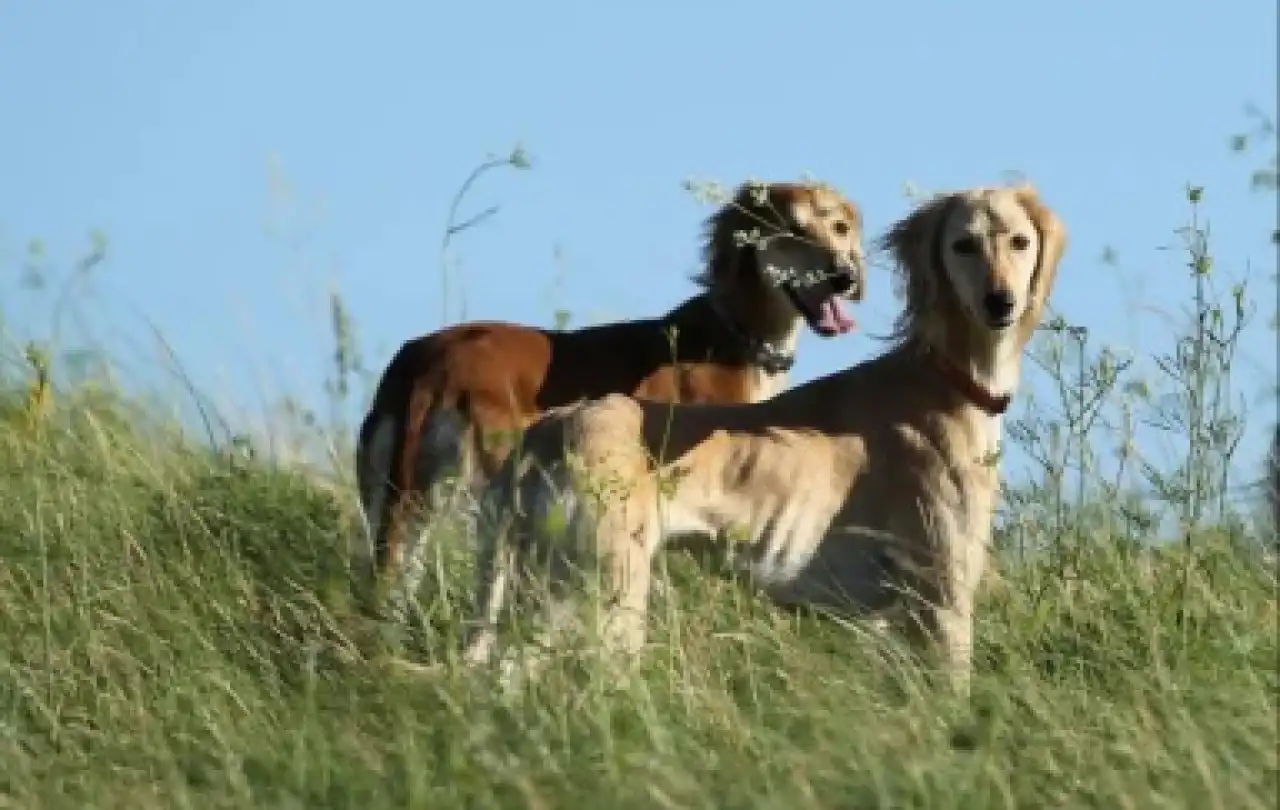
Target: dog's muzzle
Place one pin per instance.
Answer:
(999, 304)
(847, 280)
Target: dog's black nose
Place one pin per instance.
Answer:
(842, 281)
(999, 305)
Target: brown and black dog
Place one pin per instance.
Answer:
(449, 403)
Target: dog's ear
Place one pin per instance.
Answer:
(914, 244)
(1053, 243)
(771, 231)
(753, 207)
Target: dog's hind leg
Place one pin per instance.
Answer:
(512, 514)
(495, 564)
(426, 505)
(375, 460)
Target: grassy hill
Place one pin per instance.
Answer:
(176, 630)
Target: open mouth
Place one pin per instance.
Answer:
(820, 302)
(830, 319)
(822, 309)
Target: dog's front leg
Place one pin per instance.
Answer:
(627, 574)
(964, 560)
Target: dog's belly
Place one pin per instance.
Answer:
(799, 556)
(850, 577)
(796, 556)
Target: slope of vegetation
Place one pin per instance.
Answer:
(177, 629)
(175, 632)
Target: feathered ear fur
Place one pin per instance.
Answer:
(754, 206)
(913, 243)
(1053, 243)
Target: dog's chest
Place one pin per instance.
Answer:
(765, 385)
(989, 438)
(974, 479)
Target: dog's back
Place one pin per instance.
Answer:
(450, 403)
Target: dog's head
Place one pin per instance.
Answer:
(992, 253)
(788, 251)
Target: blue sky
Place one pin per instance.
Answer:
(242, 158)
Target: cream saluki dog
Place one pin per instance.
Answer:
(867, 492)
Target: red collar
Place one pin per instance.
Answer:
(992, 404)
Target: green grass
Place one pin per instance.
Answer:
(176, 631)
(177, 628)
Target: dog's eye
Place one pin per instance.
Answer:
(965, 246)
(1019, 242)
(840, 227)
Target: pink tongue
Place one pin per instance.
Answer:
(834, 317)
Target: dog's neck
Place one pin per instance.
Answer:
(983, 367)
(773, 348)
(976, 387)
(982, 373)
